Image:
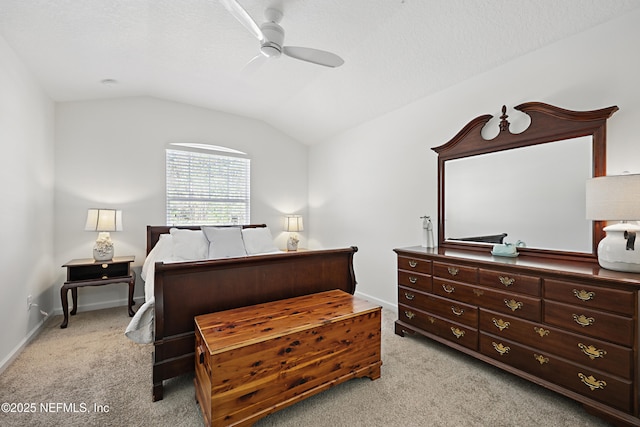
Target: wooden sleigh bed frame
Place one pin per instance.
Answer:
(184, 290)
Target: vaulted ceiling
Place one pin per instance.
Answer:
(194, 51)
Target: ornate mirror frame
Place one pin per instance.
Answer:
(548, 124)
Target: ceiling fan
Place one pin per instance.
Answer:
(271, 36)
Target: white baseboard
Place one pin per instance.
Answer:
(384, 304)
(102, 305)
(13, 354)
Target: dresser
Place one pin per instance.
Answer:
(569, 326)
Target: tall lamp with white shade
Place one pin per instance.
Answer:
(293, 224)
(616, 198)
(103, 221)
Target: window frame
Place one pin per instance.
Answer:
(203, 189)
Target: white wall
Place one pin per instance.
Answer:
(369, 186)
(26, 210)
(110, 153)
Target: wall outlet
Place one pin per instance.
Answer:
(29, 302)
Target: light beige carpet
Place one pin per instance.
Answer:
(90, 374)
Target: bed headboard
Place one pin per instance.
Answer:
(154, 231)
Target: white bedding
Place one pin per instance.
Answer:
(141, 327)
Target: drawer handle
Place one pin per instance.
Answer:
(448, 288)
(409, 314)
(453, 271)
(105, 265)
(502, 349)
(413, 263)
(541, 331)
(457, 311)
(591, 382)
(583, 320)
(507, 281)
(457, 332)
(500, 324)
(584, 295)
(591, 351)
(409, 296)
(540, 358)
(513, 304)
(413, 280)
(105, 277)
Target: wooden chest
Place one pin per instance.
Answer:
(253, 361)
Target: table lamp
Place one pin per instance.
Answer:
(616, 198)
(293, 224)
(103, 221)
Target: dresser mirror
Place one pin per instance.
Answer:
(528, 185)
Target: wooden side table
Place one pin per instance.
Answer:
(88, 272)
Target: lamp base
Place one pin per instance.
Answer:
(100, 255)
(292, 244)
(103, 249)
(618, 251)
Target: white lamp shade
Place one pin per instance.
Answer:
(103, 220)
(293, 223)
(613, 198)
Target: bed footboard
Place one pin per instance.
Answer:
(188, 289)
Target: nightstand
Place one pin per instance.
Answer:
(88, 272)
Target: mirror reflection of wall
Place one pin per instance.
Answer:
(535, 194)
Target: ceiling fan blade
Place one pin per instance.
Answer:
(314, 56)
(243, 17)
(253, 65)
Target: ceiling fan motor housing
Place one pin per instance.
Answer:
(274, 37)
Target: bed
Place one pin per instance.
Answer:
(185, 289)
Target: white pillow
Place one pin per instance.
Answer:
(258, 240)
(188, 245)
(161, 252)
(224, 242)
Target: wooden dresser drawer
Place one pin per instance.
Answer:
(616, 300)
(414, 264)
(590, 352)
(455, 272)
(510, 282)
(452, 331)
(515, 304)
(450, 309)
(414, 280)
(409, 296)
(598, 324)
(593, 384)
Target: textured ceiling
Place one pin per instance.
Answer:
(194, 51)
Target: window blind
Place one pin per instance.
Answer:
(207, 189)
